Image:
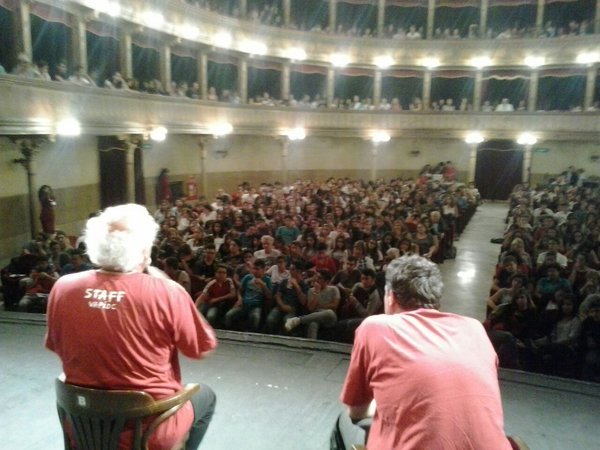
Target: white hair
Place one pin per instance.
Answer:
(415, 281)
(121, 237)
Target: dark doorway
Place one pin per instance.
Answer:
(113, 175)
(499, 168)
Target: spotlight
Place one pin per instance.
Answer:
(339, 60)
(153, 19)
(535, 61)
(253, 47)
(384, 61)
(221, 129)
(378, 137)
(526, 138)
(588, 58)
(296, 134)
(480, 61)
(474, 137)
(189, 32)
(158, 134)
(296, 54)
(68, 127)
(430, 62)
(222, 39)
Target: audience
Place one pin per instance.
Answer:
(550, 254)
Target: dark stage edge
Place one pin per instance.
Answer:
(274, 392)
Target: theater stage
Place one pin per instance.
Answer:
(273, 393)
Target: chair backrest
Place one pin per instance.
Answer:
(94, 418)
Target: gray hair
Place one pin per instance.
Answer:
(121, 237)
(415, 282)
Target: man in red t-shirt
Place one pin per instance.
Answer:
(432, 375)
(121, 328)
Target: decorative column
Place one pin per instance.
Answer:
(285, 147)
(165, 67)
(202, 144)
(590, 86)
(23, 29)
(29, 148)
(129, 148)
(332, 15)
(243, 79)
(243, 5)
(472, 163)
(79, 41)
(426, 102)
(330, 90)
(430, 18)
(534, 79)
(377, 87)
(483, 13)
(202, 66)
(287, 12)
(380, 17)
(477, 90)
(285, 81)
(539, 18)
(126, 54)
(374, 162)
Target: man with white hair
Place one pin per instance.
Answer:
(430, 376)
(120, 328)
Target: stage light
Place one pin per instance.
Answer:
(113, 9)
(222, 39)
(588, 58)
(220, 129)
(430, 62)
(296, 54)
(189, 32)
(526, 138)
(296, 134)
(153, 19)
(378, 137)
(474, 137)
(339, 60)
(480, 61)
(383, 61)
(253, 47)
(535, 61)
(68, 127)
(158, 134)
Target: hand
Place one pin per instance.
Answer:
(260, 283)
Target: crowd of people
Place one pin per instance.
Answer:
(306, 259)
(544, 304)
(396, 26)
(41, 70)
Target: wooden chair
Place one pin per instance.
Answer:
(96, 417)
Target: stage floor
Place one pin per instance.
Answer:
(276, 393)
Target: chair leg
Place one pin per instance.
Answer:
(517, 443)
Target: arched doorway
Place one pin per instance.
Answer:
(498, 169)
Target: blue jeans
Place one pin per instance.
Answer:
(237, 314)
(203, 403)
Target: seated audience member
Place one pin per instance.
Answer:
(278, 271)
(176, 274)
(363, 261)
(504, 295)
(589, 343)
(288, 232)
(116, 81)
(511, 327)
(450, 353)
(552, 247)
(81, 77)
(206, 266)
(548, 285)
(505, 106)
(290, 300)
(347, 278)
(426, 242)
(217, 297)
(268, 252)
(254, 293)
(322, 303)
(322, 260)
(78, 264)
(58, 257)
(121, 328)
(38, 286)
(25, 68)
(504, 273)
(61, 72)
(364, 301)
(555, 353)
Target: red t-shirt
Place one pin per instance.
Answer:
(434, 378)
(122, 331)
